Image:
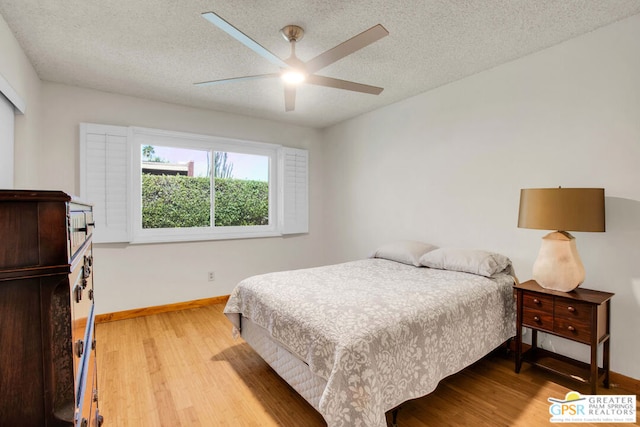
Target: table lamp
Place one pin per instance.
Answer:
(558, 265)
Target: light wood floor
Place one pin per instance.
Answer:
(184, 369)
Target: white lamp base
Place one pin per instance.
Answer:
(558, 266)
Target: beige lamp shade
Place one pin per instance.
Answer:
(558, 265)
(562, 209)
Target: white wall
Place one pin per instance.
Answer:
(20, 75)
(446, 167)
(134, 276)
(6, 142)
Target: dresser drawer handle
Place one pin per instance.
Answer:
(536, 319)
(536, 301)
(571, 328)
(571, 308)
(79, 348)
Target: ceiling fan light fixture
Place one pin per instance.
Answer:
(293, 71)
(293, 76)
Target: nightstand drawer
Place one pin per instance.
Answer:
(576, 331)
(537, 302)
(572, 319)
(537, 319)
(572, 310)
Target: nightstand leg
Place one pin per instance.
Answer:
(605, 362)
(518, 350)
(518, 331)
(606, 346)
(594, 365)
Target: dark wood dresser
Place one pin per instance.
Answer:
(47, 344)
(581, 315)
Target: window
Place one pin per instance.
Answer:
(175, 187)
(193, 187)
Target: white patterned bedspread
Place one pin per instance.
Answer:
(378, 331)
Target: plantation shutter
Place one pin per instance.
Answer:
(295, 188)
(104, 179)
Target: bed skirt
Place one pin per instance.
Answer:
(293, 370)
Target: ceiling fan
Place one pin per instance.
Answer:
(293, 70)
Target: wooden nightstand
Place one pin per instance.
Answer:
(581, 315)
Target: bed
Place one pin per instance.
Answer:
(357, 339)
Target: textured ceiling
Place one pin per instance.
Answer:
(157, 49)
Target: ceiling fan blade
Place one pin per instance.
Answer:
(289, 98)
(237, 79)
(243, 38)
(355, 43)
(343, 84)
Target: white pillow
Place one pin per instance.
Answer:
(405, 251)
(483, 263)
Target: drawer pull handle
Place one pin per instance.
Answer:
(536, 319)
(571, 308)
(536, 301)
(571, 328)
(79, 348)
(77, 294)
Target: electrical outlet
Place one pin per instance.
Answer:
(212, 276)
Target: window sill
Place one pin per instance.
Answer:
(203, 237)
